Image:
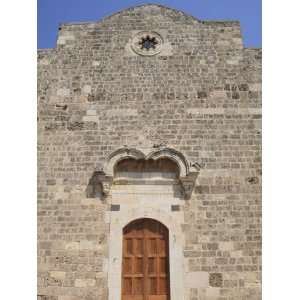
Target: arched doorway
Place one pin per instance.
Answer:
(145, 262)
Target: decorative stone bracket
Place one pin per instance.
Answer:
(99, 185)
(106, 183)
(188, 183)
(187, 172)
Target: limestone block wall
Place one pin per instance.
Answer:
(201, 95)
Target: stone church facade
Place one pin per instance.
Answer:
(149, 160)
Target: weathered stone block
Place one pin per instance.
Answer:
(85, 282)
(58, 274)
(216, 279)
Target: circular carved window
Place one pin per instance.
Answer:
(147, 43)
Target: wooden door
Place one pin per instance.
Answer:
(145, 268)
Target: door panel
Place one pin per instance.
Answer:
(145, 270)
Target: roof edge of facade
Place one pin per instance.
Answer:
(45, 49)
(151, 4)
(253, 48)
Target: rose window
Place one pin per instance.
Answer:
(147, 43)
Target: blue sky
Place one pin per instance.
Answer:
(53, 12)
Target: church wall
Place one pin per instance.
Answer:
(201, 95)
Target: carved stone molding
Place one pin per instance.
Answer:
(187, 172)
(155, 154)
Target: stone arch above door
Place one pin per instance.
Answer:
(123, 153)
(188, 172)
